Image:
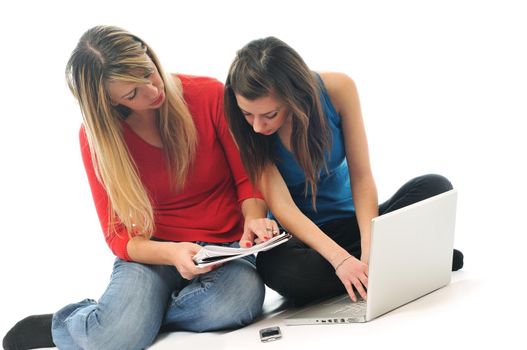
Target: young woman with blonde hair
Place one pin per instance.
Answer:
(166, 177)
(302, 140)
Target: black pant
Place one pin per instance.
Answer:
(297, 271)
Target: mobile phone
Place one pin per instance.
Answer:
(270, 334)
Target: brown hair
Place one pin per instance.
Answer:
(266, 66)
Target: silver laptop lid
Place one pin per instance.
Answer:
(410, 256)
(410, 253)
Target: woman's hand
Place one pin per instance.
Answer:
(146, 251)
(353, 273)
(182, 260)
(257, 231)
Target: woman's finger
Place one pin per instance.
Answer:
(364, 280)
(360, 288)
(350, 291)
(276, 230)
(247, 239)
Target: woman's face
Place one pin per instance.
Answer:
(139, 96)
(265, 114)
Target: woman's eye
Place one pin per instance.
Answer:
(131, 97)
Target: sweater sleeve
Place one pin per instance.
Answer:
(243, 185)
(117, 236)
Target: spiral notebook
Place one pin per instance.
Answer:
(214, 254)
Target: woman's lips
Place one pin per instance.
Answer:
(158, 100)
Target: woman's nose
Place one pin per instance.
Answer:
(153, 90)
(258, 125)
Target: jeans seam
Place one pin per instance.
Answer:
(204, 287)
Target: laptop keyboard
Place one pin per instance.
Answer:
(355, 309)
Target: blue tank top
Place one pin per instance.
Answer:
(334, 199)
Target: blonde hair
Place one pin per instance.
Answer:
(104, 54)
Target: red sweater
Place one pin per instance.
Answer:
(208, 208)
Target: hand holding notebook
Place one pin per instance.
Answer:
(213, 254)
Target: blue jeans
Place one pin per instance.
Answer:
(142, 299)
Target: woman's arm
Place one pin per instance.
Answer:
(350, 270)
(143, 250)
(344, 96)
(139, 248)
(180, 254)
(116, 235)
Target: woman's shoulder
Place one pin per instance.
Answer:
(198, 82)
(200, 90)
(338, 85)
(336, 81)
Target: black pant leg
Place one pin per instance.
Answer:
(295, 270)
(416, 190)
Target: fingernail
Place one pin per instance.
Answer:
(248, 244)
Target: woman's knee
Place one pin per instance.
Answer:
(244, 295)
(271, 267)
(236, 299)
(80, 326)
(127, 316)
(435, 184)
(282, 272)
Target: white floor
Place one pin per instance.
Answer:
(466, 314)
(471, 312)
(443, 89)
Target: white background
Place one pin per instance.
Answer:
(443, 86)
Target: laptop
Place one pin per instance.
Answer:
(410, 256)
